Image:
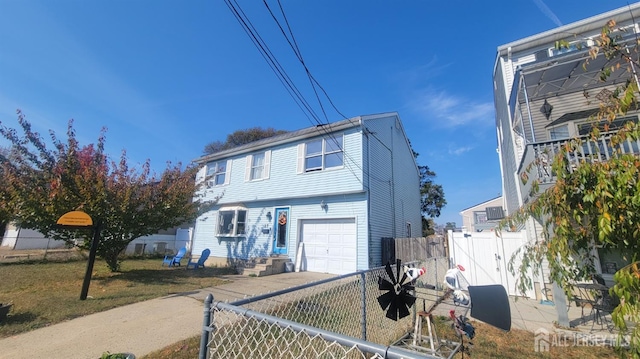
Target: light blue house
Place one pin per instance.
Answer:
(337, 189)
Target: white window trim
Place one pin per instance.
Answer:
(227, 174)
(302, 155)
(266, 168)
(234, 222)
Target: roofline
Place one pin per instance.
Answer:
(480, 204)
(288, 137)
(625, 13)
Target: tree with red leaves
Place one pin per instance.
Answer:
(41, 184)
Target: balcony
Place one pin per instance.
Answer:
(538, 158)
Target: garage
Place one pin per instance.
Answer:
(330, 245)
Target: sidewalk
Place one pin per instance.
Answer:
(147, 326)
(143, 327)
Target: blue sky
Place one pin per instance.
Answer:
(166, 77)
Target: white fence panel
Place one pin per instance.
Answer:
(485, 257)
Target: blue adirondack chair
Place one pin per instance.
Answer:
(200, 262)
(174, 260)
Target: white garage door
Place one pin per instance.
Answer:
(330, 246)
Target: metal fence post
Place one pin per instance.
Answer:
(363, 306)
(206, 322)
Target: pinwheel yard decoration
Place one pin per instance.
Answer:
(400, 295)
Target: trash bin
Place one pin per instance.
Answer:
(288, 267)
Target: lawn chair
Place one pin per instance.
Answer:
(174, 260)
(200, 262)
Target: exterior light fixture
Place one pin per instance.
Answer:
(546, 109)
(269, 217)
(323, 205)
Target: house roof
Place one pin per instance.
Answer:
(593, 23)
(480, 204)
(323, 129)
(573, 71)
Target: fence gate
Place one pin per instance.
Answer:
(485, 257)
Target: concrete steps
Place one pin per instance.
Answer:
(267, 266)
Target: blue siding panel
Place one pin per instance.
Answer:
(377, 187)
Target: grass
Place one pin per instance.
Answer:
(45, 293)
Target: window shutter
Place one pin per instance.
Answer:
(227, 175)
(247, 168)
(267, 164)
(300, 168)
(201, 175)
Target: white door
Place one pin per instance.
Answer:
(330, 245)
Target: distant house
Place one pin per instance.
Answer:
(482, 216)
(323, 196)
(166, 241)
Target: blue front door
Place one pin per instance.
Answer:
(281, 232)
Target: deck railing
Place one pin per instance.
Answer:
(537, 160)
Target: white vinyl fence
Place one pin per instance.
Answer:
(485, 257)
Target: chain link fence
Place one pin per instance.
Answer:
(338, 317)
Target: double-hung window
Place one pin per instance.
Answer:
(322, 154)
(258, 166)
(232, 222)
(217, 173)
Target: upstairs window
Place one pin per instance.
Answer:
(321, 154)
(232, 222)
(257, 166)
(217, 173)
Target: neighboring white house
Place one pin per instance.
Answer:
(169, 241)
(544, 96)
(482, 216)
(338, 189)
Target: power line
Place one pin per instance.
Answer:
(273, 63)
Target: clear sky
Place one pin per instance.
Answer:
(166, 77)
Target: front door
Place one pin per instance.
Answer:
(281, 232)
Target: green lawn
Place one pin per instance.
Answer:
(45, 293)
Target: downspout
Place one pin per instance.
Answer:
(393, 191)
(367, 181)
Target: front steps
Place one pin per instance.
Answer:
(267, 266)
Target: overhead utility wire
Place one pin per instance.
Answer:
(296, 50)
(273, 63)
(294, 46)
(298, 53)
(248, 27)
